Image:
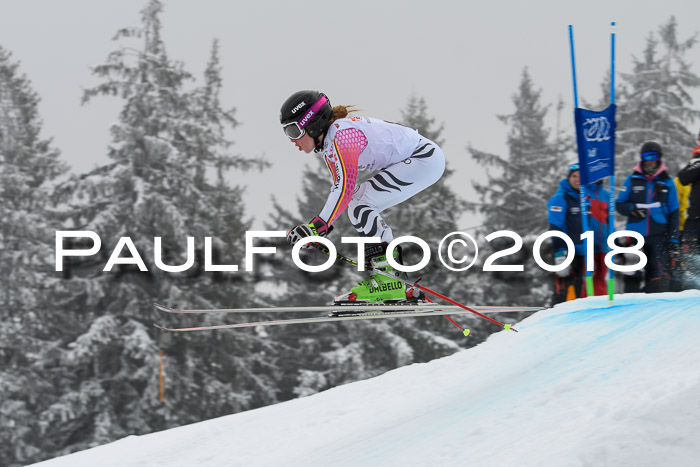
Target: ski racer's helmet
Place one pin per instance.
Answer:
(306, 112)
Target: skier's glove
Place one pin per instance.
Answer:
(317, 227)
(559, 258)
(301, 231)
(638, 212)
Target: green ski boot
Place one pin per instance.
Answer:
(378, 288)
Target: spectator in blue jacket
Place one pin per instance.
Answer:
(649, 200)
(564, 215)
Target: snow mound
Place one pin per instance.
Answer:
(582, 384)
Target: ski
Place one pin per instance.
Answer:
(354, 307)
(425, 290)
(412, 311)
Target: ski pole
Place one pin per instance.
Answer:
(325, 250)
(347, 260)
(507, 327)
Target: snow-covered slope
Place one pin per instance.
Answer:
(582, 384)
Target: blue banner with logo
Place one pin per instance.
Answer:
(595, 135)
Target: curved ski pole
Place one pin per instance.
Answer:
(507, 327)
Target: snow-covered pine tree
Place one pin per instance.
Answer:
(604, 100)
(169, 152)
(515, 198)
(415, 115)
(29, 166)
(655, 102)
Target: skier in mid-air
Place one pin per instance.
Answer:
(407, 163)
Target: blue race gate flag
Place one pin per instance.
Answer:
(595, 134)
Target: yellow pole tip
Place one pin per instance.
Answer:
(507, 327)
(466, 332)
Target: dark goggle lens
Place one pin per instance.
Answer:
(650, 156)
(293, 131)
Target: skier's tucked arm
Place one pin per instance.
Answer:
(348, 144)
(342, 161)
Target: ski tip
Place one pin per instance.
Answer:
(161, 307)
(163, 328)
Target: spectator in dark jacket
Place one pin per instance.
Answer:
(649, 200)
(690, 175)
(564, 215)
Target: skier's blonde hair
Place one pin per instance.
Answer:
(342, 111)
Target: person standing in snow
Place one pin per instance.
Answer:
(690, 176)
(406, 164)
(649, 200)
(564, 215)
(678, 270)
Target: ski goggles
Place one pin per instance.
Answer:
(295, 130)
(650, 156)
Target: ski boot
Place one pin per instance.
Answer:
(378, 288)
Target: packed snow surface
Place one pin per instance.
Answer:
(582, 384)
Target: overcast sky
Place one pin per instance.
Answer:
(464, 57)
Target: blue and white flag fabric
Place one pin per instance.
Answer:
(595, 134)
